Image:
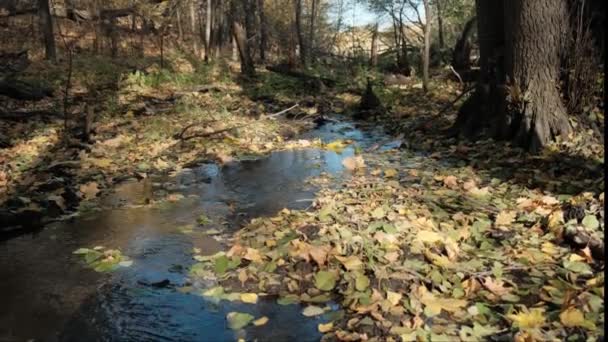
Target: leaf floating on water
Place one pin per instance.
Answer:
(238, 320)
(261, 321)
(312, 310)
(289, 299)
(327, 327)
(203, 220)
(250, 298)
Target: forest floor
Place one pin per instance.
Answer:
(436, 240)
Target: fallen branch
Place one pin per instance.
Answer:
(449, 105)
(209, 134)
(282, 112)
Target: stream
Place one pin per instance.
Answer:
(48, 293)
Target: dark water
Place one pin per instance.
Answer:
(47, 294)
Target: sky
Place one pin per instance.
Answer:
(357, 13)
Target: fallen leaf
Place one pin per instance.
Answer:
(353, 163)
(528, 319)
(319, 254)
(323, 328)
(505, 218)
(325, 280)
(250, 298)
(351, 263)
(261, 321)
(238, 320)
(312, 310)
(450, 181)
(393, 297)
(89, 190)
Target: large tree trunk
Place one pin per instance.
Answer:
(487, 100)
(299, 32)
(440, 23)
(247, 67)
(208, 31)
(193, 30)
(534, 37)
(426, 56)
(46, 26)
(373, 58)
(263, 30)
(311, 33)
(461, 56)
(180, 30)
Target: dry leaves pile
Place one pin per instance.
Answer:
(418, 249)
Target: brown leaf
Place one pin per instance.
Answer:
(353, 163)
(89, 190)
(450, 181)
(319, 254)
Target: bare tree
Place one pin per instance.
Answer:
(299, 31)
(46, 26)
(427, 45)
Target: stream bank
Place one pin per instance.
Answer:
(47, 284)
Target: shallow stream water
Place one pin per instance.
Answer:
(48, 294)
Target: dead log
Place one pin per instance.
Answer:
(20, 90)
(285, 70)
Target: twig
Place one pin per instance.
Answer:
(183, 131)
(282, 112)
(458, 76)
(449, 105)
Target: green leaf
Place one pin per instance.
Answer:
(289, 299)
(361, 282)
(577, 267)
(325, 280)
(591, 222)
(203, 220)
(82, 251)
(238, 320)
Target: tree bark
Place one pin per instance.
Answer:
(427, 46)
(46, 26)
(487, 102)
(440, 24)
(311, 33)
(208, 31)
(461, 56)
(373, 58)
(247, 67)
(263, 31)
(193, 30)
(534, 38)
(299, 32)
(180, 30)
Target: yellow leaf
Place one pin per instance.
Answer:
(254, 255)
(243, 276)
(434, 305)
(572, 317)
(505, 218)
(250, 298)
(323, 328)
(389, 173)
(531, 319)
(351, 262)
(260, 321)
(428, 236)
(393, 297)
